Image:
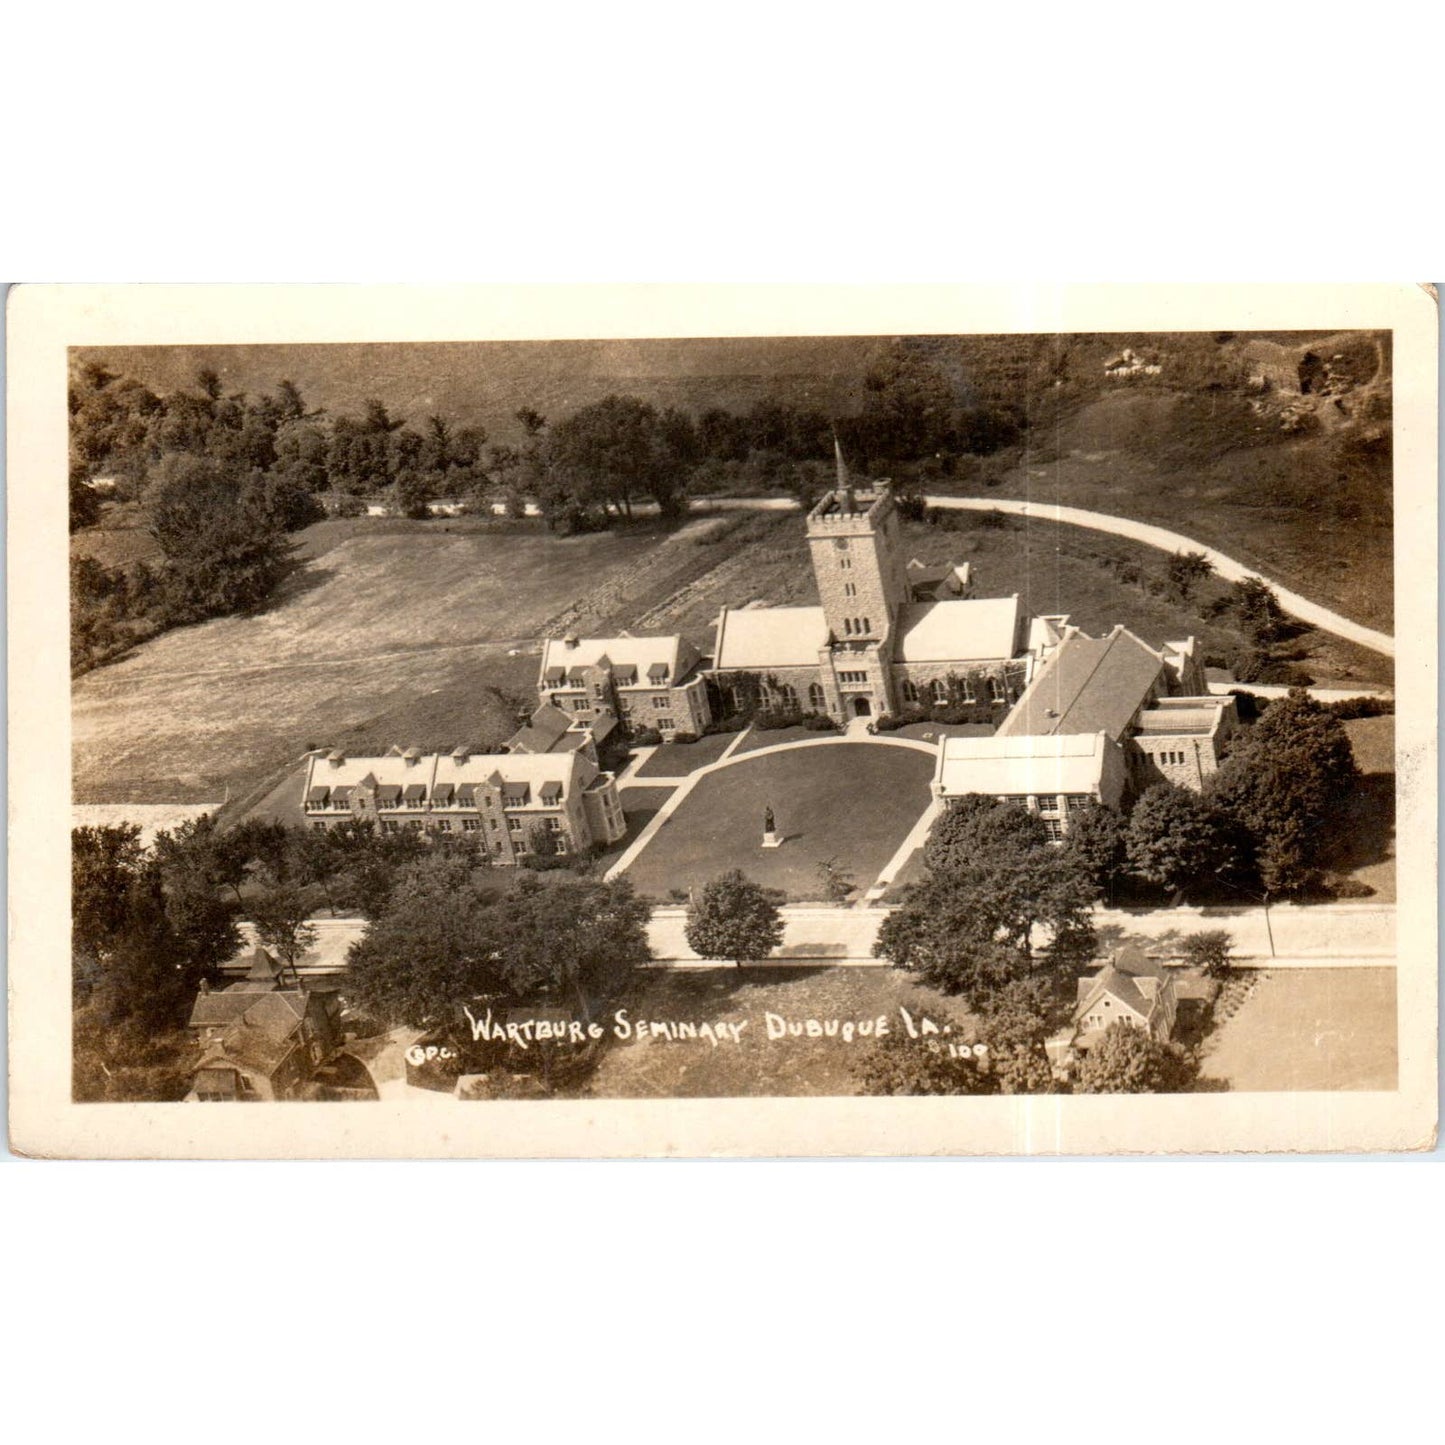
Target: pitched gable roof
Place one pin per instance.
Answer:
(982, 629)
(1088, 685)
(752, 639)
(639, 654)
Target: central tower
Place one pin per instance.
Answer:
(862, 582)
(857, 560)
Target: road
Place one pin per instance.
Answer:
(1166, 541)
(1332, 935)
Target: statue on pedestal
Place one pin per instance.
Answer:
(770, 830)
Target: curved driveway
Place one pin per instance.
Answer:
(1151, 536)
(1168, 541)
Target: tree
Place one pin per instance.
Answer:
(221, 557)
(1009, 878)
(1185, 571)
(281, 916)
(1208, 950)
(733, 917)
(1126, 1060)
(1258, 610)
(84, 504)
(941, 932)
(1174, 838)
(899, 1065)
(1013, 1022)
(445, 941)
(619, 448)
(1095, 846)
(1280, 784)
(105, 865)
(908, 405)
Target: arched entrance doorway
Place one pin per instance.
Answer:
(862, 707)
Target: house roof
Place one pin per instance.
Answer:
(1088, 685)
(983, 629)
(1131, 978)
(212, 1010)
(1014, 767)
(1117, 985)
(638, 653)
(390, 775)
(543, 731)
(1199, 720)
(260, 1035)
(752, 638)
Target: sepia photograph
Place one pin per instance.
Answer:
(999, 718)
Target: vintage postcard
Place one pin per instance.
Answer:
(722, 720)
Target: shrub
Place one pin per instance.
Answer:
(1249, 705)
(684, 737)
(646, 738)
(1208, 950)
(1353, 707)
(1341, 885)
(898, 1065)
(1258, 666)
(819, 722)
(771, 719)
(733, 722)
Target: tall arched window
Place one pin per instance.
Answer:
(867, 626)
(788, 695)
(910, 690)
(847, 627)
(816, 699)
(940, 690)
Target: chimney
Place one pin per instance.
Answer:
(336, 758)
(570, 641)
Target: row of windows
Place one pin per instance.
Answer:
(1172, 756)
(1049, 802)
(784, 695)
(938, 690)
(582, 704)
(469, 825)
(856, 627)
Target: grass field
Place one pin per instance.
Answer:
(406, 632)
(677, 760)
(757, 1066)
(850, 802)
(1209, 468)
(1320, 1028)
(1100, 580)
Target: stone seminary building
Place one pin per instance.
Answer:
(1080, 720)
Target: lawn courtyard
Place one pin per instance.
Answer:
(849, 802)
(1309, 1028)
